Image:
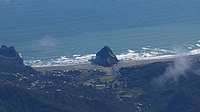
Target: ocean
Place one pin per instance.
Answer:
(68, 32)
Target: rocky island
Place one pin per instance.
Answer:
(105, 57)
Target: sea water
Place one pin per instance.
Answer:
(65, 32)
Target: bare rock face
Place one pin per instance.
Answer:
(105, 57)
(9, 56)
(10, 61)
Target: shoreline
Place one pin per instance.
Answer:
(121, 64)
(90, 66)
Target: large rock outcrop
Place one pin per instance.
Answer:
(105, 57)
(9, 56)
(10, 61)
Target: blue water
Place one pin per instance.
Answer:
(48, 29)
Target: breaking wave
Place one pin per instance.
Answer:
(146, 53)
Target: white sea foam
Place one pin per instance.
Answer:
(190, 47)
(61, 61)
(198, 45)
(146, 53)
(131, 55)
(195, 51)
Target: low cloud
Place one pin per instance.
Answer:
(179, 67)
(48, 42)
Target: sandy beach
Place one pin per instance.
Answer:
(121, 64)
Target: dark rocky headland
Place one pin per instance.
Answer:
(10, 61)
(105, 57)
(144, 87)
